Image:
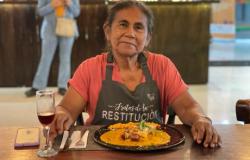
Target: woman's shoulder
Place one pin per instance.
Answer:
(96, 60)
(157, 58)
(93, 66)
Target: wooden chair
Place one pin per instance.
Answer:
(243, 110)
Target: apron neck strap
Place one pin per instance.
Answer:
(141, 59)
(109, 67)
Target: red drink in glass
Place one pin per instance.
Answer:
(46, 118)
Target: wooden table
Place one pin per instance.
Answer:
(236, 145)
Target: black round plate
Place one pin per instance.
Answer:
(177, 138)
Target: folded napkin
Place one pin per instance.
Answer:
(75, 137)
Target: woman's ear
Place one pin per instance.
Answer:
(106, 29)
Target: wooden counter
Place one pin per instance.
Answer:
(235, 146)
(181, 32)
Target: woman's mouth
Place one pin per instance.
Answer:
(128, 43)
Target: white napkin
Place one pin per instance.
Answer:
(76, 135)
(64, 139)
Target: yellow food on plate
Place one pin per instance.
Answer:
(143, 134)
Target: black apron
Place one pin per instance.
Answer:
(117, 104)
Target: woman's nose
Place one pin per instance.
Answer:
(130, 32)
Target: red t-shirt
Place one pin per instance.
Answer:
(87, 79)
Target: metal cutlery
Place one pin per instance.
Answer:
(80, 141)
(76, 139)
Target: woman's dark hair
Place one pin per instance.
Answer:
(129, 4)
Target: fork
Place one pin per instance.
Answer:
(80, 141)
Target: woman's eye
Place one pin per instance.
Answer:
(123, 25)
(139, 27)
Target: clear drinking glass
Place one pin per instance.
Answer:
(45, 104)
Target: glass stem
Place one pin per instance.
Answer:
(47, 129)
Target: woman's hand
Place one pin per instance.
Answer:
(190, 113)
(67, 112)
(204, 132)
(57, 3)
(62, 122)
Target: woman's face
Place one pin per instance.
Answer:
(128, 34)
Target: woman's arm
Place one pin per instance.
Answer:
(70, 107)
(187, 108)
(44, 8)
(73, 6)
(73, 102)
(190, 113)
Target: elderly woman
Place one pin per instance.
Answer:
(129, 83)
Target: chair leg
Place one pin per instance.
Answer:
(79, 120)
(171, 117)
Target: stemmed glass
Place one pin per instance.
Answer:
(45, 104)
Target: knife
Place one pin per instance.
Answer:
(85, 138)
(64, 139)
(80, 140)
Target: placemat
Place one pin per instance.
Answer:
(91, 144)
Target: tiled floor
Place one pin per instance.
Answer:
(17, 110)
(218, 97)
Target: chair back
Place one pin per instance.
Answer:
(243, 110)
